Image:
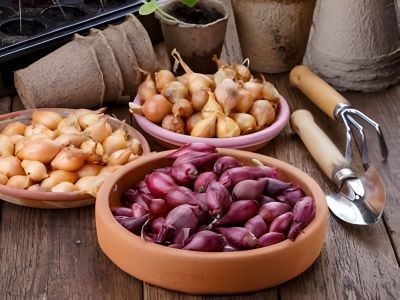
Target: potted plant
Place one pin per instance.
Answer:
(195, 28)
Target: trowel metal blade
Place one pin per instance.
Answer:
(361, 200)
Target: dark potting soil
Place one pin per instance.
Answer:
(29, 27)
(196, 15)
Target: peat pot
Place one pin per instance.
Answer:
(273, 34)
(197, 43)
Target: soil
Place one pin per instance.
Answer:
(196, 15)
(29, 27)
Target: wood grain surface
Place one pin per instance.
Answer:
(50, 254)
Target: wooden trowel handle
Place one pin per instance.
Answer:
(317, 90)
(317, 142)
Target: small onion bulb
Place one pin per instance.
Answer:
(35, 170)
(14, 128)
(50, 119)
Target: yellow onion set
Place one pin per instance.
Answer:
(226, 104)
(63, 154)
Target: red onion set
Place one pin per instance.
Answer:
(209, 202)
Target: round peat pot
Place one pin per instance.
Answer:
(273, 34)
(196, 43)
(207, 272)
(249, 142)
(11, 27)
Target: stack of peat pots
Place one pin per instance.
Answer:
(355, 45)
(90, 71)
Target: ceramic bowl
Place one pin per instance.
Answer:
(49, 199)
(202, 272)
(249, 142)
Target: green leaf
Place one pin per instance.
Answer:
(190, 3)
(148, 7)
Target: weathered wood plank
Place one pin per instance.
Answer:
(151, 292)
(5, 105)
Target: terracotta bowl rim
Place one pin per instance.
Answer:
(103, 210)
(61, 196)
(243, 141)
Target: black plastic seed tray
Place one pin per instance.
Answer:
(27, 26)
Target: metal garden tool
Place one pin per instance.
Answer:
(362, 198)
(338, 108)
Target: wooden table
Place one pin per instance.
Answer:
(54, 254)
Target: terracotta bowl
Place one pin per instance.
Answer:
(249, 142)
(201, 272)
(49, 199)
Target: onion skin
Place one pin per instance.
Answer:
(203, 180)
(156, 225)
(182, 108)
(163, 78)
(270, 238)
(158, 183)
(218, 198)
(89, 170)
(122, 211)
(158, 207)
(173, 123)
(184, 174)
(69, 159)
(14, 128)
(291, 195)
(239, 237)
(233, 176)
(56, 177)
(249, 189)
(192, 121)
(132, 224)
(196, 146)
(205, 128)
(43, 150)
(147, 88)
(255, 89)
(156, 108)
(270, 211)
(224, 163)
(138, 210)
(206, 241)
(11, 166)
(179, 217)
(246, 122)
(174, 91)
(303, 214)
(256, 226)
(227, 95)
(50, 119)
(178, 195)
(282, 223)
(263, 112)
(19, 182)
(274, 187)
(239, 212)
(244, 102)
(64, 187)
(35, 170)
(3, 179)
(200, 160)
(199, 99)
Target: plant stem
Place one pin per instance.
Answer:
(166, 15)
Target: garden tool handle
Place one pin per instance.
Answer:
(318, 143)
(317, 90)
